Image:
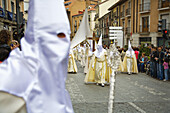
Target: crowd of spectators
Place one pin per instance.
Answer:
(157, 61)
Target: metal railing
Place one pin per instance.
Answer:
(122, 14)
(7, 15)
(128, 30)
(96, 16)
(96, 25)
(144, 28)
(163, 4)
(128, 12)
(145, 7)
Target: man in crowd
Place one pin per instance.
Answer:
(153, 66)
(159, 60)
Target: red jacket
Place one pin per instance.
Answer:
(136, 53)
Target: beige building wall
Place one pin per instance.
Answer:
(92, 22)
(103, 7)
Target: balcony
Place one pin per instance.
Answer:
(7, 15)
(96, 16)
(145, 29)
(145, 7)
(96, 26)
(163, 4)
(128, 30)
(122, 15)
(128, 12)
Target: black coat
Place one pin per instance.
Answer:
(160, 57)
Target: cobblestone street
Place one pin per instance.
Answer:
(134, 94)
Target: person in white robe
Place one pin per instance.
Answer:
(83, 50)
(72, 67)
(129, 62)
(98, 70)
(79, 53)
(89, 55)
(75, 53)
(37, 75)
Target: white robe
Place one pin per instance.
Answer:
(88, 56)
(72, 67)
(38, 73)
(83, 57)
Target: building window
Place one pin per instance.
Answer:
(164, 3)
(145, 40)
(145, 5)
(145, 24)
(12, 7)
(4, 4)
(129, 4)
(75, 23)
(89, 18)
(167, 18)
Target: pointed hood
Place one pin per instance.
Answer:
(99, 51)
(100, 40)
(57, 18)
(129, 46)
(130, 50)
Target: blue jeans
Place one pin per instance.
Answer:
(141, 67)
(166, 74)
(160, 71)
(151, 69)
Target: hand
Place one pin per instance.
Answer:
(156, 58)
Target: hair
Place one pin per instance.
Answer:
(4, 37)
(4, 53)
(143, 53)
(159, 47)
(166, 59)
(153, 47)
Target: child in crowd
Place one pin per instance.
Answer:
(165, 64)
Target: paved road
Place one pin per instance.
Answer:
(134, 94)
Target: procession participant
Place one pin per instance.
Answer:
(129, 62)
(122, 54)
(75, 53)
(79, 53)
(98, 70)
(72, 67)
(83, 49)
(38, 73)
(89, 55)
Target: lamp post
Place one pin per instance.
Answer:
(114, 63)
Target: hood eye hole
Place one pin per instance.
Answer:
(61, 35)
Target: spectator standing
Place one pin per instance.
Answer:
(153, 63)
(159, 59)
(142, 61)
(4, 45)
(137, 54)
